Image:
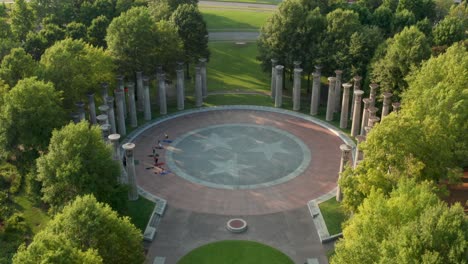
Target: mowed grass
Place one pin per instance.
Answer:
(233, 67)
(333, 215)
(35, 217)
(271, 2)
(139, 212)
(234, 19)
(235, 252)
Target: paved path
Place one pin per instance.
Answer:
(233, 36)
(292, 232)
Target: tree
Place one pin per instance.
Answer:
(76, 30)
(449, 31)
(38, 42)
(89, 10)
(163, 9)
(420, 8)
(403, 18)
(383, 18)
(442, 8)
(192, 31)
(22, 19)
(140, 44)
(16, 66)
(86, 230)
(78, 162)
(405, 51)
(362, 46)
(63, 11)
(410, 226)
(427, 140)
(97, 31)
(76, 68)
(31, 110)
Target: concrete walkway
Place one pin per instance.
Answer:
(292, 232)
(235, 4)
(233, 36)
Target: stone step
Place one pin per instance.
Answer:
(159, 260)
(312, 261)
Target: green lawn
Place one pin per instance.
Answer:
(333, 215)
(234, 19)
(139, 212)
(35, 217)
(233, 67)
(271, 2)
(235, 252)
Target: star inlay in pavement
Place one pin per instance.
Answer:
(269, 149)
(213, 141)
(231, 167)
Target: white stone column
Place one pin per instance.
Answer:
(203, 75)
(131, 172)
(131, 104)
(146, 98)
(274, 62)
(140, 93)
(345, 158)
(357, 86)
(162, 94)
(111, 114)
(75, 117)
(339, 74)
(358, 155)
(365, 114)
(81, 111)
(331, 98)
(180, 89)
(102, 119)
(387, 101)
(104, 91)
(91, 108)
(198, 87)
(279, 86)
(104, 110)
(121, 87)
(105, 129)
(318, 70)
(356, 113)
(114, 140)
(372, 121)
(396, 107)
(345, 106)
(297, 64)
(119, 95)
(297, 89)
(373, 93)
(314, 100)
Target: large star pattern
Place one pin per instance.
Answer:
(230, 167)
(214, 141)
(269, 149)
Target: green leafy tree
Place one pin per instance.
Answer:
(405, 51)
(383, 18)
(410, 226)
(76, 30)
(78, 162)
(16, 66)
(22, 19)
(62, 11)
(98, 30)
(427, 140)
(139, 43)
(163, 9)
(31, 110)
(89, 10)
(420, 8)
(76, 68)
(38, 42)
(192, 31)
(442, 8)
(87, 231)
(448, 31)
(370, 4)
(403, 18)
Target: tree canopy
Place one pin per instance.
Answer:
(22, 19)
(411, 225)
(426, 140)
(86, 231)
(16, 66)
(76, 68)
(30, 111)
(78, 162)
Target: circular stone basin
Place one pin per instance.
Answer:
(236, 225)
(238, 156)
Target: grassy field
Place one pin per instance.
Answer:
(35, 217)
(333, 215)
(233, 252)
(234, 19)
(233, 67)
(272, 2)
(139, 212)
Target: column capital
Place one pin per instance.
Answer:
(345, 148)
(372, 110)
(357, 78)
(396, 106)
(79, 104)
(366, 102)
(338, 72)
(373, 120)
(90, 95)
(130, 84)
(119, 78)
(114, 137)
(347, 85)
(297, 64)
(360, 138)
(202, 60)
(318, 67)
(197, 69)
(332, 79)
(373, 86)
(103, 108)
(104, 85)
(297, 70)
(102, 119)
(316, 75)
(110, 101)
(145, 79)
(274, 62)
(387, 95)
(128, 147)
(279, 68)
(117, 92)
(358, 94)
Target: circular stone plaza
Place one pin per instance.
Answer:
(260, 164)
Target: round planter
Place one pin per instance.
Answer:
(236, 225)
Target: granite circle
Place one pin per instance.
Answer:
(238, 156)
